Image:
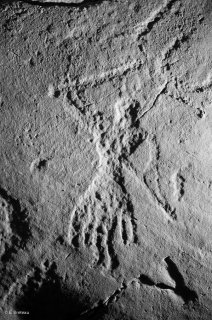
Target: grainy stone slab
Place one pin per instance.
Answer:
(57, 1)
(105, 160)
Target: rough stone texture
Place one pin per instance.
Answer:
(58, 1)
(105, 160)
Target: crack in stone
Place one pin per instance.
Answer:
(152, 103)
(180, 290)
(102, 304)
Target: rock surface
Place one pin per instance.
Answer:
(105, 160)
(58, 1)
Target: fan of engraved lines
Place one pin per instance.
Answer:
(105, 213)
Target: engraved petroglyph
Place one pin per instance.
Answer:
(104, 215)
(151, 179)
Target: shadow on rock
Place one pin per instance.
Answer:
(83, 4)
(46, 297)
